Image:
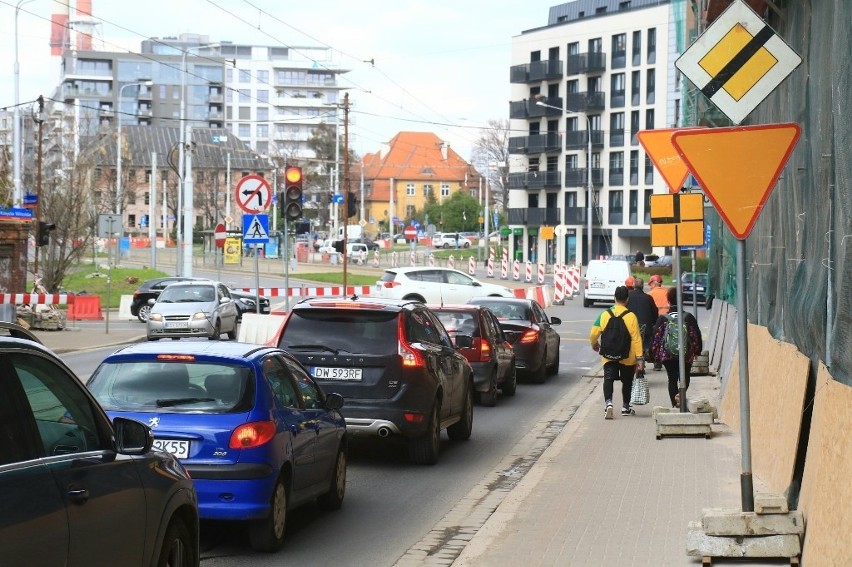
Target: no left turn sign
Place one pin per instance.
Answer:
(253, 194)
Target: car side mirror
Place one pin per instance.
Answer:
(333, 401)
(152, 301)
(132, 437)
(476, 284)
(555, 321)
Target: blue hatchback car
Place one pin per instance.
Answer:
(257, 434)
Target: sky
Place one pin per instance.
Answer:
(440, 66)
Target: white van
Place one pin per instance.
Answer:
(602, 277)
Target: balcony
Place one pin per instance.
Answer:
(577, 177)
(536, 71)
(215, 99)
(535, 180)
(577, 216)
(579, 139)
(529, 109)
(535, 144)
(591, 62)
(586, 101)
(534, 216)
(145, 94)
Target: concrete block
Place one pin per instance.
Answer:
(659, 409)
(699, 430)
(733, 522)
(700, 544)
(770, 503)
(684, 418)
(700, 405)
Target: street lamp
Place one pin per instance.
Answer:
(188, 205)
(118, 143)
(16, 126)
(588, 171)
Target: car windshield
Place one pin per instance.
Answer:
(342, 331)
(511, 311)
(173, 387)
(187, 294)
(458, 322)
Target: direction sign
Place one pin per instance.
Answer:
(738, 167)
(677, 219)
(255, 229)
(738, 61)
(658, 145)
(410, 232)
(219, 235)
(253, 194)
(337, 198)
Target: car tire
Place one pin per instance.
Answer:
(144, 311)
(588, 302)
(217, 332)
(467, 244)
(446, 246)
(554, 368)
(232, 334)
(489, 398)
(461, 430)
(178, 547)
(333, 499)
(424, 449)
(267, 535)
(511, 384)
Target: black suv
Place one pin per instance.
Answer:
(395, 364)
(76, 487)
(151, 289)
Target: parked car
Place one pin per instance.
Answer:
(395, 364)
(449, 240)
(79, 489)
(660, 261)
(247, 303)
(602, 277)
(257, 434)
(699, 289)
(435, 285)
(199, 308)
(530, 332)
(151, 289)
(368, 242)
(356, 250)
(490, 355)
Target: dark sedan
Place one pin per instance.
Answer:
(530, 331)
(695, 290)
(247, 302)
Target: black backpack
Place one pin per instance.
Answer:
(615, 338)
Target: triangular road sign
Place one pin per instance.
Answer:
(737, 167)
(658, 145)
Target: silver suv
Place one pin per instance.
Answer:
(200, 308)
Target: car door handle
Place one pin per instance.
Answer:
(78, 495)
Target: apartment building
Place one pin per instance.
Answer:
(593, 77)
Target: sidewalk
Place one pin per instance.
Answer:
(73, 339)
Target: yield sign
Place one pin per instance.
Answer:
(658, 145)
(737, 167)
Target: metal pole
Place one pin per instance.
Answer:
(228, 193)
(695, 289)
(589, 175)
(746, 481)
(16, 126)
(681, 340)
(181, 158)
(348, 186)
(188, 209)
(152, 209)
(38, 181)
(391, 210)
(286, 256)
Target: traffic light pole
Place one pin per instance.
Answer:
(348, 182)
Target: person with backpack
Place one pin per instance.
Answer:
(645, 309)
(615, 335)
(664, 346)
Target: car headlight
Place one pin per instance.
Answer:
(155, 317)
(199, 316)
(249, 302)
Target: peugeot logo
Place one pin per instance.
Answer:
(154, 422)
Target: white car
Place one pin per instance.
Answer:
(327, 246)
(435, 286)
(449, 240)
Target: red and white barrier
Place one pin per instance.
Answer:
(504, 268)
(311, 291)
(491, 254)
(471, 266)
(376, 258)
(413, 258)
(36, 298)
(451, 262)
(516, 270)
(506, 255)
(528, 275)
(572, 281)
(394, 259)
(541, 273)
(431, 260)
(489, 269)
(558, 285)
(542, 294)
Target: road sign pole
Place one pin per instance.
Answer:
(681, 340)
(746, 481)
(286, 256)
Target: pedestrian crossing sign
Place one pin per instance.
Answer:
(255, 229)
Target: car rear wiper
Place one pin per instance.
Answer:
(315, 347)
(181, 401)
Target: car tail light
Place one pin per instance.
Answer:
(412, 417)
(530, 336)
(410, 357)
(391, 284)
(484, 350)
(251, 435)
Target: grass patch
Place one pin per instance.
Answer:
(337, 278)
(122, 281)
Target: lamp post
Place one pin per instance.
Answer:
(588, 172)
(16, 126)
(118, 143)
(185, 236)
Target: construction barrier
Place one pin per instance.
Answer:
(541, 294)
(516, 270)
(489, 270)
(124, 304)
(376, 258)
(394, 259)
(36, 298)
(451, 261)
(431, 260)
(504, 268)
(413, 257)
(85, 308)
(528, 275)
(541, 273)
(471, 266)
(259, 329)
(572, 281)
(520, 293)
(331, 291)
(558, 285)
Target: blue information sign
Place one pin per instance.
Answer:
(255, 229)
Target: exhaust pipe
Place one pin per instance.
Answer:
(384, 432)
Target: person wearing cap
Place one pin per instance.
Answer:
(644, 307)
(660, 296)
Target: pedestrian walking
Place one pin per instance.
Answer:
(639, 258)
(664, 346)
(615, 335)
(645, 308)
(659, 294)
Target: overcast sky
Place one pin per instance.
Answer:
(440, 66)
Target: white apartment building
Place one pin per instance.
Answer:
(602, 69)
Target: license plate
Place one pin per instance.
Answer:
(179, 449)
(177, 325)
(700, 289)
(597, 285)
(336, 373)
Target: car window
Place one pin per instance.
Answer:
(223, 290)
(355, 331)
(490, 322)
(64, 416)
(433, 276)
(457, 278)
(463, 322)
(280, 381)
(388, 277)
(311, 394)
(421, 328)
(539, 314)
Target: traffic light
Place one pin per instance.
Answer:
(43, 233)
(351, 205)
(291, 204)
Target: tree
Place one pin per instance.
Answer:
(460, 213)
(491, 156)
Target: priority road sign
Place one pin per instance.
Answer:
(738, 61)
(253, 194)
(738, 167)
(255, 229)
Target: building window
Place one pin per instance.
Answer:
(635, 88)
(573, 48)
(649, 119)
(245, 76)
(263, 113)
(649, 170)
(616, 207)
(245, 95)
(619, 51)
(131, 221)
(647, 205)
(262, 77)
(652, 45)
(617, 90)
(634, 167)
(633, 214)
(650, 85)
(445, 190)
(616, 129)
(263, 148)
(263, 95)
(244, 113)
(409, 211)
(147, 198)
(428, 190)
(634, 128)
(131, 197)
(616, 168)
(637, 48)
(409, 190)
(244, 130)
(262, 130)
